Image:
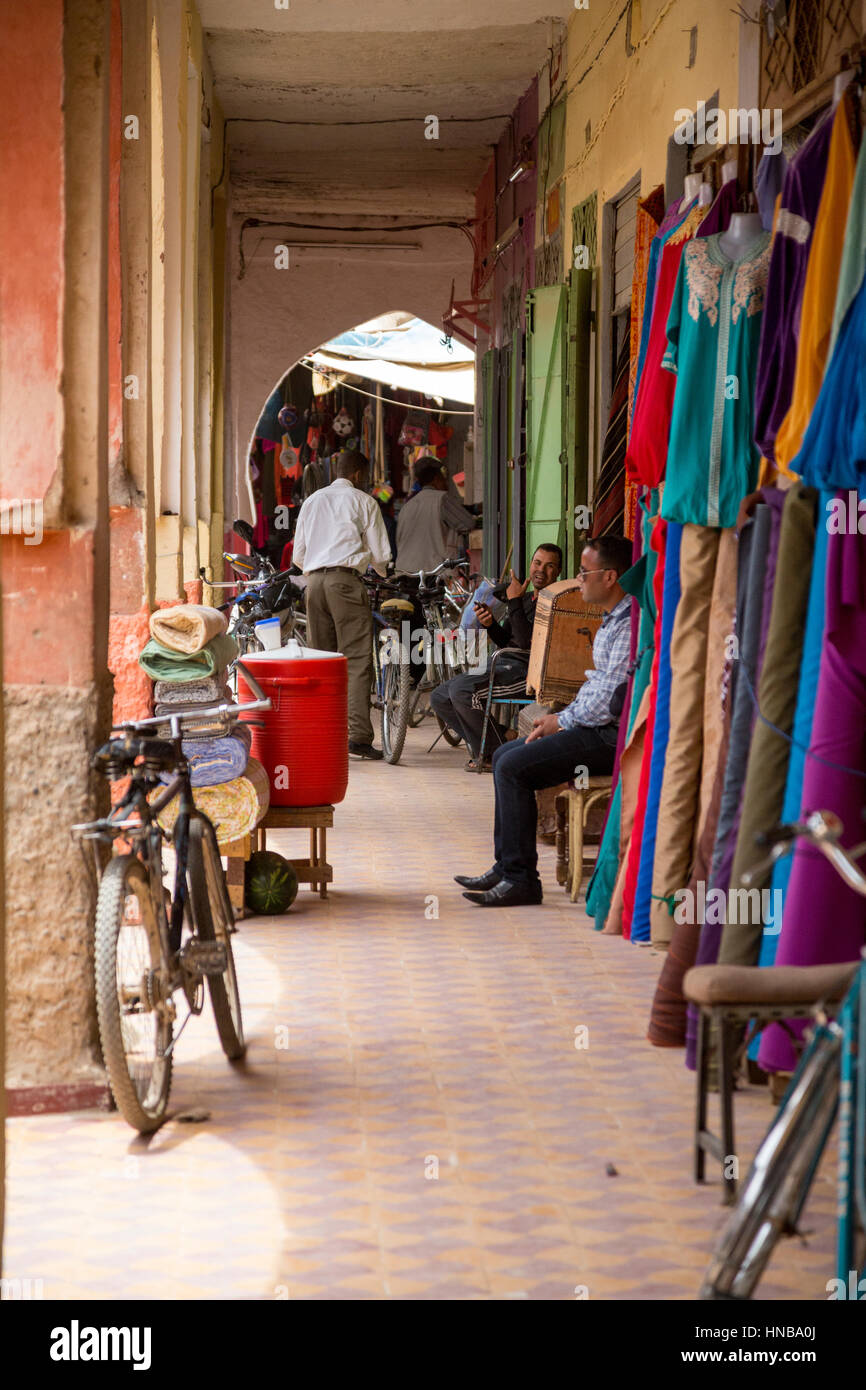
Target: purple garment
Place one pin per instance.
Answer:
(769, 182)
(824, 920)
(780, 330)
(718, 219)
(775, 499)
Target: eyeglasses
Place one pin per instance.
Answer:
(582, 573)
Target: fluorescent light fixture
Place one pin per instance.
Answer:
(521, 169)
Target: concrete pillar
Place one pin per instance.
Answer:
(57, 688)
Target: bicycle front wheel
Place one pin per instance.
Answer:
(396, 688)
(134, 1023)
(214, 920)
(781, 1174)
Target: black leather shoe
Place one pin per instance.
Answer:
(365, 750)
(480, 884)
(507, 894)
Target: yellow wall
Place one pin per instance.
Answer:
(630, 101)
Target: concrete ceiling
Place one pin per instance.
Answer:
(332, 97)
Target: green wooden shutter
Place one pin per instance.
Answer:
(545, 443)
(487, 424)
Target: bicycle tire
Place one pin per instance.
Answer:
(214, 921)
(418, 708)
(140, 1092)
(780, 1176)
(395, 708)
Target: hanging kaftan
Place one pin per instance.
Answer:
(713, 333)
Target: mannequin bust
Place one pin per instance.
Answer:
(729, 170)
(745, 228)
(705, 195)
(691, 188)
(841, 82)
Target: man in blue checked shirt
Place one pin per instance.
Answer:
(583, 735)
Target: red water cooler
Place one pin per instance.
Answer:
(304, 746)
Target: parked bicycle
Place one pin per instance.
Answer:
(396, 602)
(152, 944)
(832, 1067)
(261, 592)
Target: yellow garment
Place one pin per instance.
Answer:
(819, 290)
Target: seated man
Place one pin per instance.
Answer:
(582, 736)
(460, 702)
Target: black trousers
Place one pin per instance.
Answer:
(452, 701)
(520, 769)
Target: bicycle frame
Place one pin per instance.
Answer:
(851, 1207)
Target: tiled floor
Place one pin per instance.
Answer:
(431, 1130)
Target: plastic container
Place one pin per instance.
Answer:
(304, 746)
(268, 633)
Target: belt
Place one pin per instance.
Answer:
(335, 569)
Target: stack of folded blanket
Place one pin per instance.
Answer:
(187, 658)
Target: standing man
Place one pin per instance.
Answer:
(424, 519)
(583, 735)
(459, 703)
(340, 532)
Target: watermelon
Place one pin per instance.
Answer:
(270, 883)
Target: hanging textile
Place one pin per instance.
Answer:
(658, 544)
(801, 734)
(720, 211)
(638, 582)
(678, 802)
(837, 931)
(766, 771)
(650, 427)
(713, 332)
(789, 260)
(769, 184)
(821, 283)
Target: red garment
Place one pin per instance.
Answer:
(286, 557)
(657, 543)
(647, 453)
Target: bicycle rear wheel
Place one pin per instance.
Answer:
(396, 687)
(781, 1174)
(135, 1034)
(214, 920)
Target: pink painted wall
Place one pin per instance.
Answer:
(31, 245)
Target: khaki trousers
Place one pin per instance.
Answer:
(339, 619)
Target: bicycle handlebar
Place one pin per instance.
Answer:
(822, 829)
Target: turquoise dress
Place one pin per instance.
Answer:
(714, 328)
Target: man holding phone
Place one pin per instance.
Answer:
(459, 703)
(583, 735)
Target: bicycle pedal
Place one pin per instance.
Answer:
(204, 958)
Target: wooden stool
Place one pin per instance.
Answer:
(729, 998)
(316, 870)
(236, 856)
(572, 809)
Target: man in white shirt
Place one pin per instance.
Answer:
(340, 533)
(425, 519)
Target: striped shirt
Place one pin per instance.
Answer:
(610, 652)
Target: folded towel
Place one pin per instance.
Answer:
(187, 627)
(208, 726)
(209, 690)
(234, 808)
(215, 760)
(162, 664)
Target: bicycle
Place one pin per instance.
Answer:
(142, 958)
(392, 694)
(832, 1067)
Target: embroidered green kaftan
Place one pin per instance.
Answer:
(713, 331)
